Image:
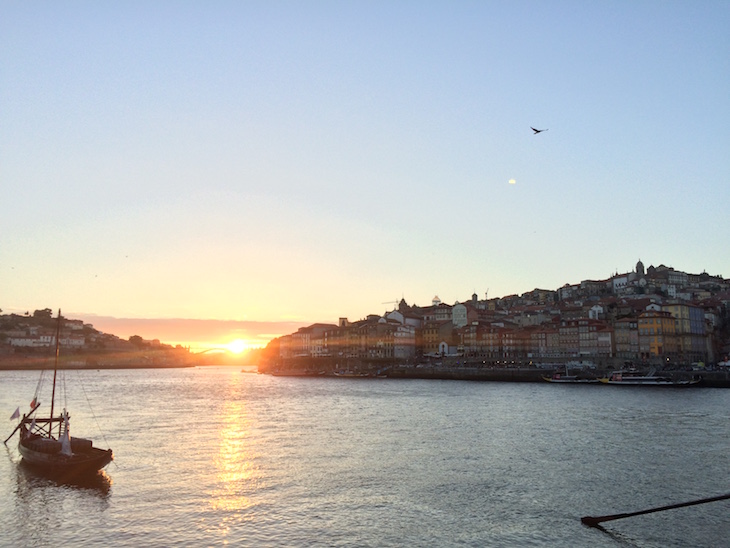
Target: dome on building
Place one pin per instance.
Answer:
(436, 301)
(640, 268)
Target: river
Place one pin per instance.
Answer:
(214, 456)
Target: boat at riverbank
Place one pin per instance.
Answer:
(297, 373)
(46, 444)
(349, 373)
(635, 378)
(563, 376)
(570, 379)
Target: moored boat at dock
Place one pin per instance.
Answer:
(350, 373)
(565, 377)
(635, 378)
(570, 379)
(297, 373)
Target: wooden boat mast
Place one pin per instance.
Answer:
(55, 371)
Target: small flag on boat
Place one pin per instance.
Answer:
(15, 415)
(34, 404)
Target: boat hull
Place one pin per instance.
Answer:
(649, 382)
(78, 464)
(570, 381)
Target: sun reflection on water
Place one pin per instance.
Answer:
(236, 475)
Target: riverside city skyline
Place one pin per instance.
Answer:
(654, 314)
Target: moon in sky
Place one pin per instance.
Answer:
(512, 181)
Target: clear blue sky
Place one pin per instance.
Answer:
(309, 160)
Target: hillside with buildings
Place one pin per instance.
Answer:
(29, 341)
(657, 316)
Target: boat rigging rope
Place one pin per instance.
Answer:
(38, 388)
(83, 389)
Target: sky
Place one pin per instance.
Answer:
(278, 163)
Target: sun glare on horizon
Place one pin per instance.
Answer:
(237, 346)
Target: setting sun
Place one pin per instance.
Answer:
(237, 346)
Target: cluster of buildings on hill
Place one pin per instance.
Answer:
(25, 334)
(31, 336)
(646, 315)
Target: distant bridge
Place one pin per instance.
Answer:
(218, 350)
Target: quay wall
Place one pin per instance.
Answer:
(469, 374)
(710, 379)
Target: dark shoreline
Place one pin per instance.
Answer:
(710, 379)
(41, 367)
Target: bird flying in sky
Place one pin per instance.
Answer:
(537, 130)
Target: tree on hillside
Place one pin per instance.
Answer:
(44, 317)
(137, 341)
(45, 314)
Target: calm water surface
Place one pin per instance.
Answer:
(214, 456)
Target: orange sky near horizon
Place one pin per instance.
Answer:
(198, 335)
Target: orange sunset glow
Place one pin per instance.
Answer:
(233, 336)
